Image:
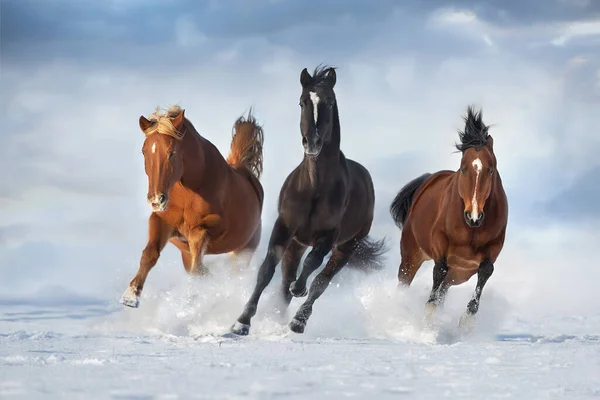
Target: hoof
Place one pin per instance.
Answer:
(429, 314)
(297, 326)
(130, 299)
(296, 291)
(240, 329)
(467, 322)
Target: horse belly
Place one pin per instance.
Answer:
(241, 221)
(304, 236)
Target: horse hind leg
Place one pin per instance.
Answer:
(412, 257)
(241, 258)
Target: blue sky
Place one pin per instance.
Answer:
(76, 75)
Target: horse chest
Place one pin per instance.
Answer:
(310, 212)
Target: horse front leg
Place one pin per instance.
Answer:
(278, 243)
(339, 258)
(323, 245)
(289, 270)
(467, 319)
(198, 241)
(158, 235)
(439, 289)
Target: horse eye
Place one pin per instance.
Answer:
(491, 171)
(463, 171)
(171, 154)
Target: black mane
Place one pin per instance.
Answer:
(319, 76)
(475, 134)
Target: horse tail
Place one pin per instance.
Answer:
(403, 200)
(368, 255)
(247, 145)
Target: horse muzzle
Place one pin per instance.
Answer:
(158, 202)
(474, 221)
(312, 146)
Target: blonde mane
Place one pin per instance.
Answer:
(162, 122)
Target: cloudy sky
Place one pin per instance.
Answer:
(76, 75)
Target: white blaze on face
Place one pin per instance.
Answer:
(315, 100)
(153, 149)
(478, 167)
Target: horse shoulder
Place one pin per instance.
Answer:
(294, 199)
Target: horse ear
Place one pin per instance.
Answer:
(144, 123)
(490, 142)
(178, 120)
(305, 78)
(332, 77)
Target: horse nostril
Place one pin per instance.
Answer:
(468, 214)
(162, 198)
(304, 141)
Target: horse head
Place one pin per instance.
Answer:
(477, 167)
(318, 109)
(163, 160)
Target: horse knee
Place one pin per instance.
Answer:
(150, 256)
(406, 273)
(486, 269)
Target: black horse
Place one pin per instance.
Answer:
(326, 202)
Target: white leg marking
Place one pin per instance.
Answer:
(475, 212)
(130, 299)
(315, 99)
(153, 148)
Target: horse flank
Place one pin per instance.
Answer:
(401, 204)
(247, 145)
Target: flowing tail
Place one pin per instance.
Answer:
(368, 255)
(403, 201)
(247, 145)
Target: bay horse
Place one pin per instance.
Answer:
(326, 202)
(201, 203)
(458, 219)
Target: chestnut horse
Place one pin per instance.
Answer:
(201, 203)
(326, 202)
(457, 219)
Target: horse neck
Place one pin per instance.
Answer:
(329, 157)
(200, 157)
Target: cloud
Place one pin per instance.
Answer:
(579, 201)
(454, 17)
(577, 29)
(187, 32)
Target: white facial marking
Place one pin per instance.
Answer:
(315, 99)
(153, 148)
(478, 167)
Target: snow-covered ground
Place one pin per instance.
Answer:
(365, 340)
